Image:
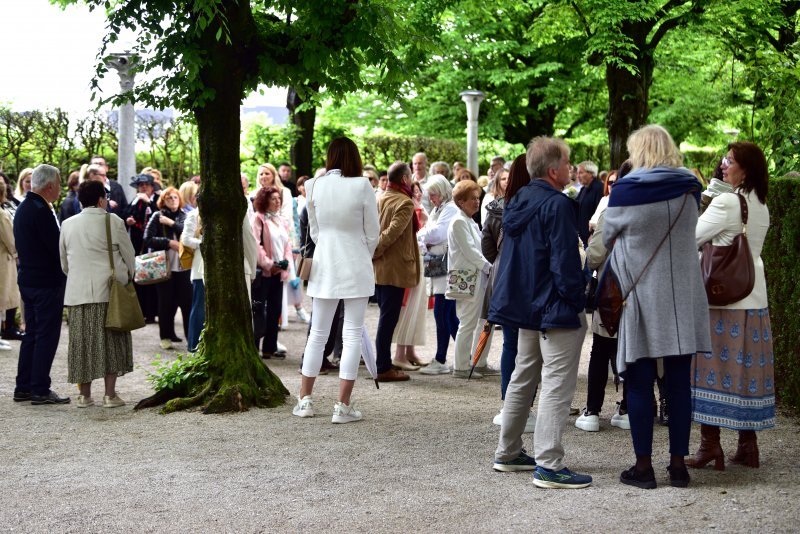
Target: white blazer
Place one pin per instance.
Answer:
(190, 240)
(721, 222)
(84, 256)
(343, 221)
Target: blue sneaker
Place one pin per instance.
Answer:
(545, 478)
(523, 462)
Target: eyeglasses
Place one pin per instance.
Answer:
(726, 161)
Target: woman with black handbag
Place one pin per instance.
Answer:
(734, 386)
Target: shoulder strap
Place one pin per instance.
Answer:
(663, 239)
(108, 245)
(745, 212)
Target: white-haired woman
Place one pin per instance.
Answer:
(433, 241)
(650, 230)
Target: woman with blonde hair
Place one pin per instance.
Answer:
(188, 192)
(9, 292)
(649, 229)
(23, 183)
(158, 179)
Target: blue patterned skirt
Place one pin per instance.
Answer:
(734, 386)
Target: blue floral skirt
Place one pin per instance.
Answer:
(734, 385)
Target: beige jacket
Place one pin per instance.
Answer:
(9, 292)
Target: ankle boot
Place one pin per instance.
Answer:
(747, 451)
(710, 449)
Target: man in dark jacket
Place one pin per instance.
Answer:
(588, 198)
(539, 289)
(117, 201)
(41, 286)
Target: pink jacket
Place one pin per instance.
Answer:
(262, 235)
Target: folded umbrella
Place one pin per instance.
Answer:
(483, 339)
(368, 355)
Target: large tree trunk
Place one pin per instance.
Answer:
(302, 150)
(236, 378)
(628, 109)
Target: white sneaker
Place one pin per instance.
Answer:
(620, 420)
(588, 422)
(5, 345)
(112, 402)
(302, 315)
(166, 344)
(304, 407)
(530, 424)
(435, 368)
(281, 348)
(342, 413)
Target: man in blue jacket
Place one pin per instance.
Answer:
(41, 286)
(539, 288)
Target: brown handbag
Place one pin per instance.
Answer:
(610, 300)
(729, 273)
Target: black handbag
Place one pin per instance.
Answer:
(435, 265)
(591, 294)
(259, 318)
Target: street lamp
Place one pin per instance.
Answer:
(124, 63)
(473, 101)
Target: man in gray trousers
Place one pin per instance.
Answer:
(539, 289)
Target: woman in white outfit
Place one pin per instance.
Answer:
(464, 253)
(343, 221)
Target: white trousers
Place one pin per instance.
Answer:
(321, 319)
(468, 312)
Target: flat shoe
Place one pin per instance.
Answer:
(643, 480)
(404, 366)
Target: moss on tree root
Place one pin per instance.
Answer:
(237, 380)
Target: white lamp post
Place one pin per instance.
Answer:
(473, 101)
(124, 64)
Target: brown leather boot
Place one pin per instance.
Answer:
(710, 449)
(747, 451)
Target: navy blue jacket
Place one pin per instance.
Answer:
(539, 283)
(36, 235)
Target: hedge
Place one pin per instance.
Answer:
(781, 256)
(383, 150)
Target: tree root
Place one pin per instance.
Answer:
(185, 403)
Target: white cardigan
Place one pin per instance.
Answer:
(84, 256)
(343, 223)
(721, 222)
(464, 245)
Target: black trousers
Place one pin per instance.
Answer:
(390, 301)
(173, 294)
(271, 293)
(604, 350)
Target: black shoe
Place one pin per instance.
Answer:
(50, 398)
(14, 334)
(678, 476)
(22, 396)
(644, 480)
(327, 365)
(176, 339)
(149, 320)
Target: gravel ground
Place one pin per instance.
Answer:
(420, 461)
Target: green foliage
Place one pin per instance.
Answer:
(383, 150)
(174, 374)
(781, 256)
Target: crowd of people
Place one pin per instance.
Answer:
(518, 251)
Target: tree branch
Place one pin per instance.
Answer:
(582, 17)
(672, 23)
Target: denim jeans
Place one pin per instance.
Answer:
(640, 377)
(444, 313)
(197, 317)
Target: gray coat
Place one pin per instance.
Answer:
(666, 314)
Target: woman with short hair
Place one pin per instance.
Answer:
(343, 223)
(94, 351)
(649, 229)
(464, 253)
(188, 192)
(734, 386)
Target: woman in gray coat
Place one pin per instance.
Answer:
(649, 229)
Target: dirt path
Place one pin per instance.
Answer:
(420, 461)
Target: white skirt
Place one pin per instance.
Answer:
(410, 328)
